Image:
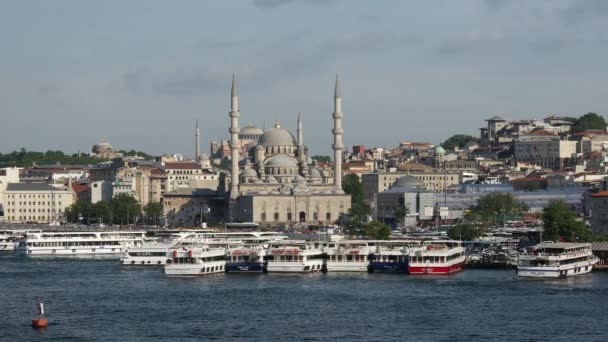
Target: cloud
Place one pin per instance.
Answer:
(134, 80)
(270, 4)
(195, 83)
(578, 11)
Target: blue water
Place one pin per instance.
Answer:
(97, 300)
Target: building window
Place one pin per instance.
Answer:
(276, 216)
(288, 216)
(328, 216)
(315, 216)
(263, 218)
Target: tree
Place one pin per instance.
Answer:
(465, 232)
(125, 209)
(80, 212)
(377, 230)
(351, 185)
(589, 121)
(153, 212)
(356, 219)
(25, 158)
(494, 207)
(401, 212)
(322, 159)
(560, 224)
(458, 140)
(102, 212)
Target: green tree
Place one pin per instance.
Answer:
(401, 212)
(458, 140)
(103, 212)
(356, 219)
(351, 185)
(24, 158)
(153, 212)
(561, 223)
(377, 230)
(493, 207)
(589, 121)
(465, 232)
(80, 212)
(322, 159)
(125, 209)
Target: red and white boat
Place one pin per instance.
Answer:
(437, 257)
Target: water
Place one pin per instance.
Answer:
(97, 300)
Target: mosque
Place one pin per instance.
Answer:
(280, 184)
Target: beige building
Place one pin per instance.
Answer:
(190, 207)
(36, 202)
(189, 175)
(548, 151)
(374, 183)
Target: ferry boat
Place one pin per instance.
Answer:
(390, 256)
(347, 256)
(245, 258)
(148, 254)
(556, 260)
(196, 262)
(9, 239)
(437, 258)
(295, 256)
(110, 243)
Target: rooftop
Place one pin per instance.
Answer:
(29, 187)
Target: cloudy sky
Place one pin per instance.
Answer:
(139, 73)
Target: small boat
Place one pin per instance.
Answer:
(390, 256)
(347, 256)
(245, 258)
(556, 260)
(437, 258)
(295, 256)
(196, 262)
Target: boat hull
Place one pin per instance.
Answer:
(245, 267)
(389, 267)
(435, 270)
(347, 266)
(115, 251)
(556, 272)
(294, 267)
(195, 270)
(149, 261)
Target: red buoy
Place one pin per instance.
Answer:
(41, 321)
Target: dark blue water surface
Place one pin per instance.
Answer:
(98, 300)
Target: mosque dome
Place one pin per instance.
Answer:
(204, 156)
(251, 130)
(316, 173)
(439, 150)
(281, 161)
(277, 136)
(407, 181)
(102, 147)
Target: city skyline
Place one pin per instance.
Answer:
(141, 75)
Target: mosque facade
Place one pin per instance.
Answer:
(278, 183)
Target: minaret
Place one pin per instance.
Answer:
(301, 154)
(337, 132)
(300, 141)
(234, 140)
(197, 137)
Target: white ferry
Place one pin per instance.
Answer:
(196, 262)
(437, 258)
(245, 258)
(347, 256)
(556, 260)
(157, 252)
(110, 243)
(9, 239)
(295, 256)
(390, 256)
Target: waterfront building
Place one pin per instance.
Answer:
(407, 191)
(191, 207)
(374, 183)
(280, 186)
(181, 175)
(36, 202)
